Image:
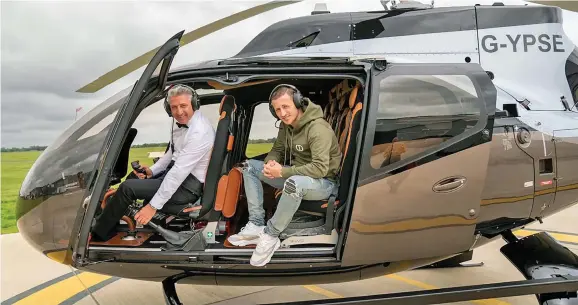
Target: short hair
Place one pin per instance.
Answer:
(180, 90)
(281, 91)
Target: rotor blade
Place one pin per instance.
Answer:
(570, 5)
(187, 38)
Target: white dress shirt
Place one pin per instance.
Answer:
(192, 153)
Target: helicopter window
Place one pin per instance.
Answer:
(419, 112)
(304, 42)
(572, 76)
(75, 151)
(263, 132)
(154, 126)
(288, 34)
(100, 126)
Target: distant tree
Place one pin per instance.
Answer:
(150, 145)
(259, 141)
(30, 148)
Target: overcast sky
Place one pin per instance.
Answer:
(51, 49)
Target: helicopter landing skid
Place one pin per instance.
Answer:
(565, 286)
(170, 291)
(467, 265)
(550, 269)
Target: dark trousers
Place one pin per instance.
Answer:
(127, 192)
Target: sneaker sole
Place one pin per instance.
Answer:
(243, 242)
(267, 259)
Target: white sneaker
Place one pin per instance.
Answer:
(265, 248)
(249, 235)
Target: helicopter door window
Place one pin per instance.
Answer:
(419, 112)
(154, 127)
(572, 77)
(263, 132)
(99, 127)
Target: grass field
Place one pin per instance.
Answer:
(15, 165)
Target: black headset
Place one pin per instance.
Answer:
(297, 98)
(194, 99)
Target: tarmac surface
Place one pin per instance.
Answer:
(28, 277)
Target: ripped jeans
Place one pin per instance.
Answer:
(294, 188)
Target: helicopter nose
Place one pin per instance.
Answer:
(46, 215)
(50, 197)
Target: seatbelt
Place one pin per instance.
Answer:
(330, 211)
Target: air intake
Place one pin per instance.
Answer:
(404, 4)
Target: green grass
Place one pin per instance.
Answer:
(257, 149)
(15, 166)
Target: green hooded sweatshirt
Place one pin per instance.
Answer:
(308, 149)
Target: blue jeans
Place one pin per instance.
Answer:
(295, 188)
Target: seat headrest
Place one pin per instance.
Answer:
(227, 104)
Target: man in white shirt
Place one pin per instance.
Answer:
(182, 169)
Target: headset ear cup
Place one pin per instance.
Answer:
(167, 108)
(197, 101)
(297, 99)
(272, 111)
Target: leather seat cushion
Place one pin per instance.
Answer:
(177, 209)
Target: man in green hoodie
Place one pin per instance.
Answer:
(304, 162)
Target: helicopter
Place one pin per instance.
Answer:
(457, 126)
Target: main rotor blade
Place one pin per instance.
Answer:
(570, 5)
(187, 38)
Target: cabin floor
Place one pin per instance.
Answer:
(147, 237)
(55, 287)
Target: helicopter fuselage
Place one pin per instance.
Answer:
(512, 160)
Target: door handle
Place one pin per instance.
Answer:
(449, 184)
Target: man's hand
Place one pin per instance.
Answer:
(272, 170)
(266, 168)
(148, 171)
(145, 214)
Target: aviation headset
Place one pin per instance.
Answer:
(297, 98)
(194, 99)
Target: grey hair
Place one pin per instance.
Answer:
(180, 90)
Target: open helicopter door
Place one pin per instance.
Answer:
(423, 165)
(151, 83)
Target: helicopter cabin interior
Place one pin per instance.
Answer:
(419, 115)
(222, 208)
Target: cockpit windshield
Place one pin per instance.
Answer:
(75, 151)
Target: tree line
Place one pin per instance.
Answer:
(30, 148)
(42, 148)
